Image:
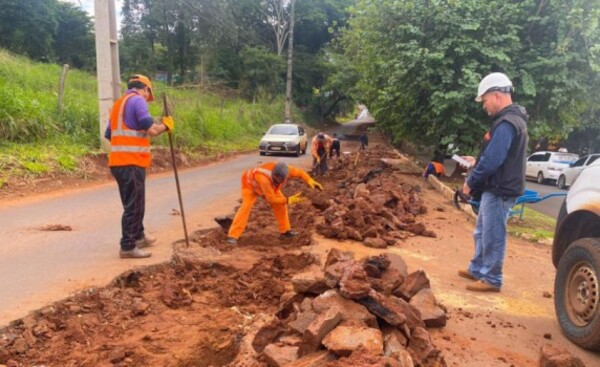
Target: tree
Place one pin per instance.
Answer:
(420, 63)
(261, 69)
(74, 43)
(29, 27)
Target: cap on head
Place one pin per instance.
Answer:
(280, 172)
(144, 80)
(498, 82)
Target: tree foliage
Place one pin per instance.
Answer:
(239, 43)
(420, 63)
(47, 30)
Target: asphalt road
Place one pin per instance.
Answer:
(549, 206)
(39, 267)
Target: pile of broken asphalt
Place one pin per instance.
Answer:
(266, 302)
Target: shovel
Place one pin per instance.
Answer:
(224, 221)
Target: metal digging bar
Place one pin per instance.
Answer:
(167, 112)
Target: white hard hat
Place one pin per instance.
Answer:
(494, 82)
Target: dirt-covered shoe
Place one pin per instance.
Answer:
(482, 286)
(465, 274)
(144, 242)
(135, 253)
(231, 241)
(290, 234)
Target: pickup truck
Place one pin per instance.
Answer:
(576, 256)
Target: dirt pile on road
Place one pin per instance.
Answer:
(373, 201)
(371, 311)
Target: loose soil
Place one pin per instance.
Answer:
(201, 308)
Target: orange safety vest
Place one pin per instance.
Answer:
(251, 182)
(128, 147)
(439, 168)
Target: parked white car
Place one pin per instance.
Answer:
(544, 166)
(570, 174)
(284, 138)
(576, 256)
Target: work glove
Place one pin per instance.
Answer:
(168, 122)
(318, 159)
(295, 199)
(315, 185)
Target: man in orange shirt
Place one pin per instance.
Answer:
(267, 180)
(319, 147)
(434, 168)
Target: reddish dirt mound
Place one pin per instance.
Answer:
(183, 313)
(373, 201)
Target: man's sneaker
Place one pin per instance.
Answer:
(134, 253)
(482, 286)
(466, 274)
(231, 241)
(289, 234)
(144, 242)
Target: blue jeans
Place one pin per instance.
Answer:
(490, 238)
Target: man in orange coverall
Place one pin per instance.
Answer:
(267, 180)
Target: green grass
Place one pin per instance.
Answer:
(535, 226)
(36, 139)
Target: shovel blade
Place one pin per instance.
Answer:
(224, 222)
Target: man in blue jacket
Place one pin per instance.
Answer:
(499, 174)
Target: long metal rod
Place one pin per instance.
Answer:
(187, 241)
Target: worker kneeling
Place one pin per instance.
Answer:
(267, 180)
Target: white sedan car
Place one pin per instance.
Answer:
(284, 138)
(570, 174)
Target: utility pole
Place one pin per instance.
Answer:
(288, 79)
(107, 62)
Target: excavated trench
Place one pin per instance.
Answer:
(204, 306)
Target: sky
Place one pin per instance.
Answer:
(88, 5)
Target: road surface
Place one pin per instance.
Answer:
(39, 267)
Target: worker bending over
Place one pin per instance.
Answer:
(335, 147)
(267, 180)
(319, 148)
(434, 168)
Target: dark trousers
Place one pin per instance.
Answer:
(320, 168)
(335, 148)
(132, 182)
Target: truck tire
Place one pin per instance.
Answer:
(577, 293)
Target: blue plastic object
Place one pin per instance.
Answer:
(528, 197)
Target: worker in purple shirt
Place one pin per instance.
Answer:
(137, 115)
(129, 131)
(499, 175)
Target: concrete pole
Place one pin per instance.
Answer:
(107, 62)
(288, 79)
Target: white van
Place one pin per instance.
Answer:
(544, 166)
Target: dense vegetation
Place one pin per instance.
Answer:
(35, 138)
(48, 30)
(415, 64)
(420, 62)
(238, 43)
